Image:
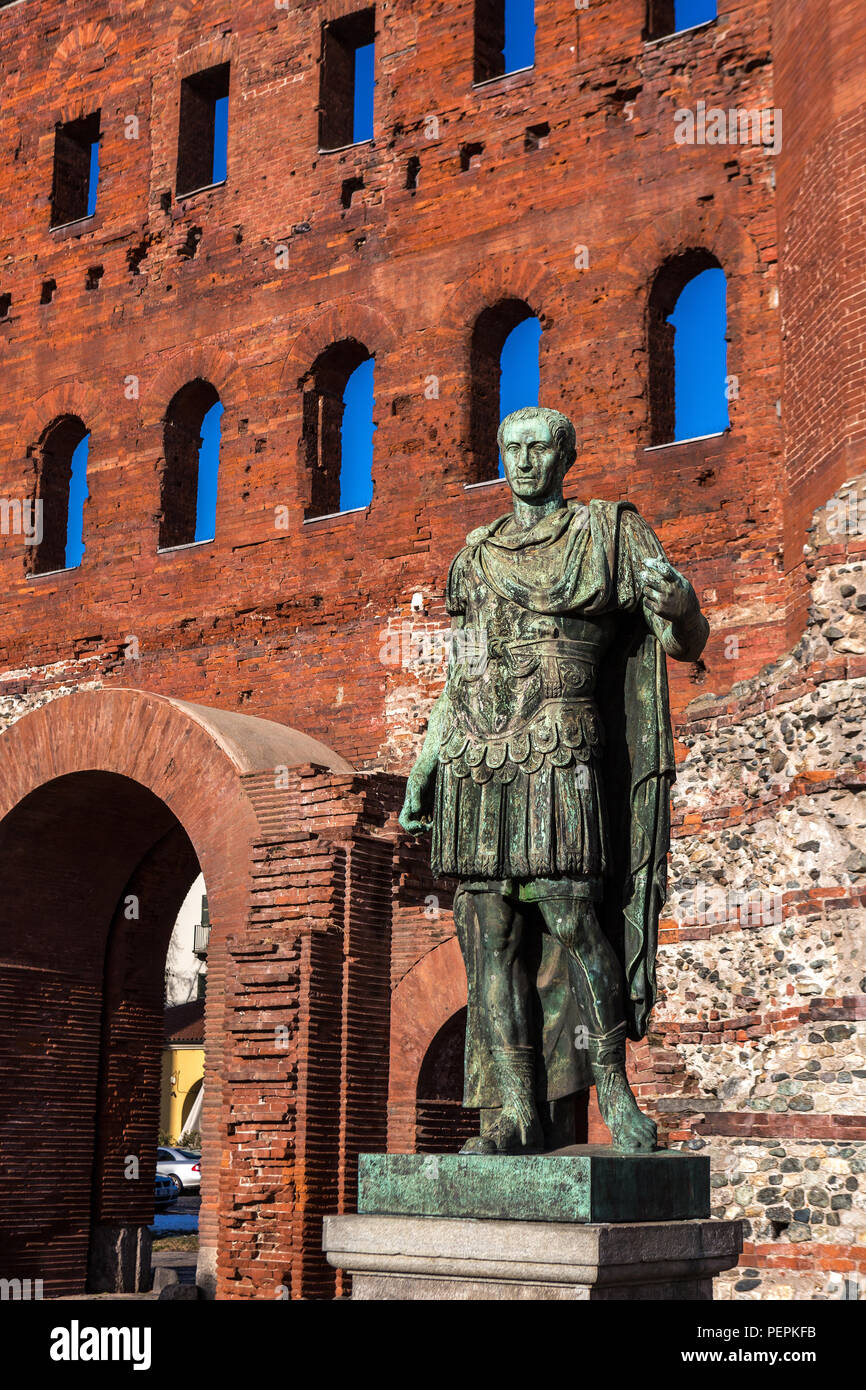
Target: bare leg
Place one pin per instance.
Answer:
(504, 984)
(596, 979)
(515, 1127)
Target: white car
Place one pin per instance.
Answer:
(182, 1166)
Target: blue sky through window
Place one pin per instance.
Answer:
(519, 379)
(700, 356)
(356, 443)
(208, 473)
(362, 117)
(690, 12)
(93, 182)
(220, 139)
(77, 497)
(519, 34)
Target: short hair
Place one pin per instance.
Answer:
(561, 429)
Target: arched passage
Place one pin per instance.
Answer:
(426, 999)
(442, 1123)
(110, 803)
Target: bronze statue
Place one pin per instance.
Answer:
(545, 775)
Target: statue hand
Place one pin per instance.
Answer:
(417, 814)
(665, 591)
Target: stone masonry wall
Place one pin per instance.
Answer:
(761, 1030)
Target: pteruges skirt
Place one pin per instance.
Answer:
(547, 823)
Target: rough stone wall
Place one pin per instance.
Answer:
(759, 1041)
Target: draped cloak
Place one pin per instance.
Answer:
(580, 562)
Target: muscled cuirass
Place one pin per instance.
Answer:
(521, 687)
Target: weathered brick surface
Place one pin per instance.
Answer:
(287, 623)
(292, 622)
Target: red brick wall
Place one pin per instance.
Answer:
(819, 56)
(287, 622)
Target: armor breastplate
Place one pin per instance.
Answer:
(522, 689)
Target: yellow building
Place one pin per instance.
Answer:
(182, 1069)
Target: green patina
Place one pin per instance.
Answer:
(580, 1185)
(545, 777)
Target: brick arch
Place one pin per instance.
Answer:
(103, 793)
(425, 999)
(83, 54)
(205, 362)
(86, 48)
(493, 281)
(347, 319)
(209, 53)
(675, 232)
(70, 398)
(149, 738)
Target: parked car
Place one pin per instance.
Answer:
(165, 1192)
(181, 1166)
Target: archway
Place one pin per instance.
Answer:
(111, 801)
(442, 1124)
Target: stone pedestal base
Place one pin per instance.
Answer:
(433, 1257)
(586, 1182)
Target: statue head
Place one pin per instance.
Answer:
(538, 447)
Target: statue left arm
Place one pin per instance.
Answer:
(672, 610)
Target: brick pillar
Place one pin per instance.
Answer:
(306, 1030)
(366, 1001)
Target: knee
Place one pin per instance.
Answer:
(499, 935)
(570, 923)
(567, 933)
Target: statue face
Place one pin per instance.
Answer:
(533, 467)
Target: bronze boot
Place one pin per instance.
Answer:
(518, 1127)
(515, 1127)
(630, 1129)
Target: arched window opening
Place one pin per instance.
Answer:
(442, 1124)
(504, 37)
(61, 491)
(672, 16)
(687, 345)
(338, 429)
(504, 374)
(356, 438)
(190, 474)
